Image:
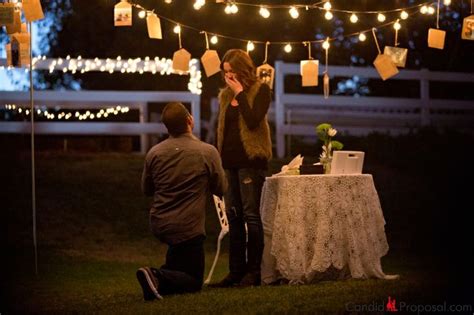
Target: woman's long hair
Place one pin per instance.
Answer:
(242, 65)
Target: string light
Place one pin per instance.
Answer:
(288, 48)
(362, 37)
(264, 12)
(88, 115)
(234, 9)
(250, 46)
(354, 18)
(431, 10)
(404, 15)
(424, 9)
(214, 39)
(327, 6)
(381, 17)
(168, 1)
(326, 44)
(447, 2)
(228, 9)
(198, 4)
(397, 26)
(142, 14)
(294, 12)
(177, 29)
(328, 15)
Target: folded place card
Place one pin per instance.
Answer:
(385, 66)
(468, 28)
(266, 74)
(436, 38)
(309, 72)
(181, 59)
(397, 54)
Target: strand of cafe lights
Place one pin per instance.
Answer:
(78, 115)
(425, 8)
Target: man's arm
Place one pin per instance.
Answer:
(148, 187)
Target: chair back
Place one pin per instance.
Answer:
(220, 208)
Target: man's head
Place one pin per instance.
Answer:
(177, 119)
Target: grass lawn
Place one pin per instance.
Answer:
(93, 234)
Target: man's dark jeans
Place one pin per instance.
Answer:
(242, 201)
(183, 271)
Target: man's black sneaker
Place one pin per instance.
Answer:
(250, 279)
(229, 281)
(149, 284)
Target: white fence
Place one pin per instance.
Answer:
(97, 100)
(298, 114)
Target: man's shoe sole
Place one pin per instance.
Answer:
(149, 287)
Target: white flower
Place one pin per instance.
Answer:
(332, 132)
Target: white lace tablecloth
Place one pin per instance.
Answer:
(313, 222)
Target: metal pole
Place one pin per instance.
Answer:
(33, 181)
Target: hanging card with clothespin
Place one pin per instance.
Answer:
(154, 26)
(123, 14)
(383, 63)
(32, 10)
(397, 54)
(7, 11)
(309, 69)
(436, 37)
(468, 25)
(326, 74)
(181, 57)
(15, 27)
(265, 72)
(210, 60)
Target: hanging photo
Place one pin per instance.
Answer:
(385, 66)
(15, 27)
(397, 54)
(154, 26)
(266, 74)
(211, 62)
(6, 13)
(181, 59)
(32, 10)
(326, 85)
(468, 28)
(309, 72)
(123, 14)
(436, 38)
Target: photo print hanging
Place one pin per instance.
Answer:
(123, 14)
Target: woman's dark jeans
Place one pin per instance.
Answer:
(242, 202)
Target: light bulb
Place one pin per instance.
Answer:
(424, 9)
(294, 12)
(214, 39)
(404, 15)
(228, 9)
(327, 6)
(362, 37)
(142, 14)
(431, 10)
(234, 9)
(328, 15)
(177, 29)
(199, 4)
(381, 17)
(264, 12)
(447, 2)
(397, 26)
(250, 46)
(168, 1)
(288, 48)
(354, 18)
(326, 44)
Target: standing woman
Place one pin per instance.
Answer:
(243, 140)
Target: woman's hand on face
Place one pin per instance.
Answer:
(234, 84)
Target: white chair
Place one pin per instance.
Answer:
(220, 208)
